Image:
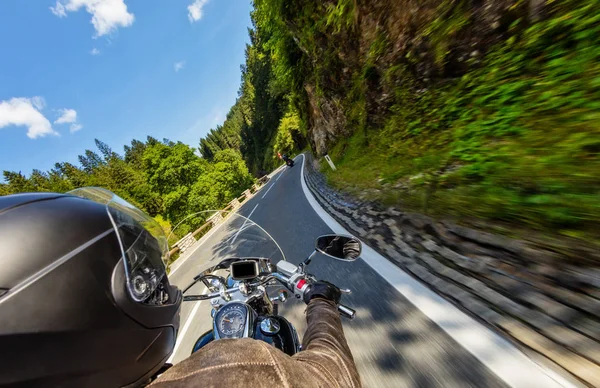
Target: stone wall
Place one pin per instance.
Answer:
(519, 290)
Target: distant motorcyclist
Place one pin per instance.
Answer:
(287, 160)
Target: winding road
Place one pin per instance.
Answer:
(403, 335)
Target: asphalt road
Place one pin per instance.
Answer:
(394, 344)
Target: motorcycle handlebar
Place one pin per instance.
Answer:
(346, 311)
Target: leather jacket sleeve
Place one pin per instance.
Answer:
(326, 351)
(325, 361)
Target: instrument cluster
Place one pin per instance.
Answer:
(232, 320)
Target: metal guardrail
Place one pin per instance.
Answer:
(233, 205)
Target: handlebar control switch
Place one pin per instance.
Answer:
(301, 284)
(300, 288)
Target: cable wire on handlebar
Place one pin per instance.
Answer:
(204, 277)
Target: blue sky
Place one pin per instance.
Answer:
(75, 70)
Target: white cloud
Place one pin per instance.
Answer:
(38, 102)
(95, 51)
(69, 116)
(26, 112)
(59, 10)
(195, 10)
(107, 15)
(75, 127)
(66, 116)
(178, 66)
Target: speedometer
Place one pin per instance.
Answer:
(232, 323)
(231, 320)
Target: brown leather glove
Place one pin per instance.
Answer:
(323, 289)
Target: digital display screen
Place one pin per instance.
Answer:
(242, 270)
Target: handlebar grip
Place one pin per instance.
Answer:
(346, 311)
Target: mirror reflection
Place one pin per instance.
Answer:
(339, 247)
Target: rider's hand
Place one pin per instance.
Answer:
(323, 289)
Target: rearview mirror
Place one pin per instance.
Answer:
(339, 247)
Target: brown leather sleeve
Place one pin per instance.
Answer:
(324, 345)
(325, 362)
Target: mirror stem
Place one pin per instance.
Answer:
(307, 261)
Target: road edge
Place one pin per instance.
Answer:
(507, 361)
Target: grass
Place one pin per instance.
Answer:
(514, 142)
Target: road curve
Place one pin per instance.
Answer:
(394, 344)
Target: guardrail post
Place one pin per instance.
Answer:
(234, 204)
(190, 239)
(215, 219)
(187, 241)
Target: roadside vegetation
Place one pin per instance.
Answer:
(165, 179)
(516, 139)
(488, 116)
(499, 128)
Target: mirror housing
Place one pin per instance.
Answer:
(340, 247)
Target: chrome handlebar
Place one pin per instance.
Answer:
(190, 298)
(344, 311)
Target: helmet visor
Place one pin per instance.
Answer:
(143, 242)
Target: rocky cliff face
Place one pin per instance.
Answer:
(469, 109)
(365, 53)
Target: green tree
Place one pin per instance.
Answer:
(90, 161)
(225, 180)
(105, 150)
(289, 137)
(134, 154)
(168, 167)
(17, 182)
(225, 136)
(166, 179)
(170, 172)
(74, 175)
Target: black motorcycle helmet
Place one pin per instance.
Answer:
(84, 296)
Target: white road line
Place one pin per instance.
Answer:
(204, 238)
(499, 355)
(186, 326)
(244, 224)
(244, 227)
(276, 171)
(267, 192)
(194, 311)
(279, 176)
(212, 231)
